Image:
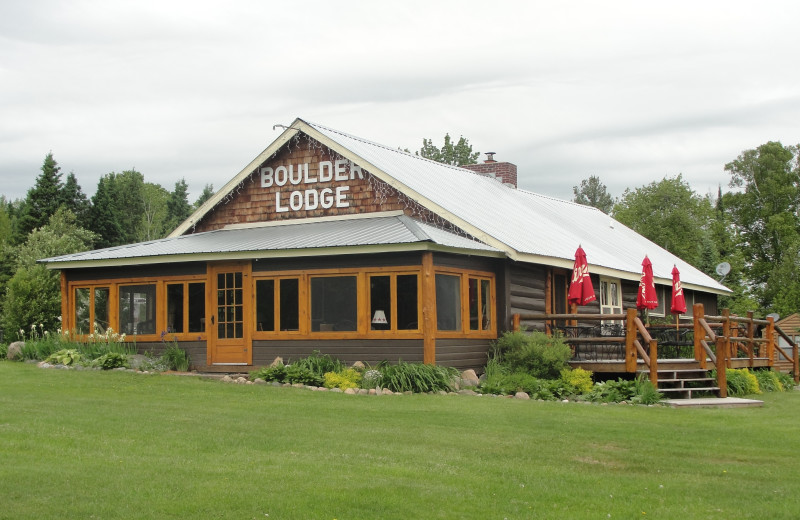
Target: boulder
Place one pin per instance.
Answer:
(469, 378)
(277, 361)
(15, 350)
(227, 379)
(350, 391)
(358, 365)
(521, 395)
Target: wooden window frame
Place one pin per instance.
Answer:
(164, 320)
(113, 313)
(465, 331)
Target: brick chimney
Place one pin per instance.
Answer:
(505, 172)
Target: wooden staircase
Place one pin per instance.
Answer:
(683, 383)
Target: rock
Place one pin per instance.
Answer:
(521, 395)
(358, 365)
(227, 379)
(259, 381)
(467, 392)
(337, 390)
(469, 378)
(298, 385)
(277, 361)
(565, 401)
(43, 364)
(241, 380)
(350, 391)
(15, 350)
(373, 391)
(362, 391)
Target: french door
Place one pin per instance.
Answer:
(229, 314)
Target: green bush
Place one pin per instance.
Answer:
(511, 383)
(417, 377)
(540, 355)
(787, 381)
(741, 382)
(275, 373)
(371, 379)
(347, 378)
(111, 360)
(65, 357)
(579, 380)
(3, 351)
(319, 363)
(176, 358)
(640, 390)
(297, 373)
(768, 381)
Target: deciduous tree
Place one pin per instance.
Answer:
(593, 193)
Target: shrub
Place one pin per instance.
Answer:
(296, 373)
(416, 377)
(578, 380)
(176, 358)
(275, 373)
(640, 390)
(768, 381)
(787, 381)
(537, 353)
(371, 379)
(64, 357)
(741, 382)
(319, 363)
(3, 351)
(111, 360)
(347, 378)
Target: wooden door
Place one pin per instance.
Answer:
(229, 312)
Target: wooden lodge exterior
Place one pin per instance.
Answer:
(329, 242)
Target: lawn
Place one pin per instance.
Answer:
(85, 444)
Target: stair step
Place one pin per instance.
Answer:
(686, 392)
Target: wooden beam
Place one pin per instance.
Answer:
(428, 309)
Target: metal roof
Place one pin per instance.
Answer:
(388, 229)
(518, 221)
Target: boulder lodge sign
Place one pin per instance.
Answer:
(313, 196)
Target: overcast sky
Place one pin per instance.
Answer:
(628, 91)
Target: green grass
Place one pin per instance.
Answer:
(78, 444)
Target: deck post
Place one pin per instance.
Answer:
(726, 332)
(796, 363)
(722, 376)
(428, 310)
(630, 337)
(771, 340)
(699, 353)
(515, 322)
(751, 334)
(654, 362)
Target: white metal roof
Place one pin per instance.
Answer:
(318, 235)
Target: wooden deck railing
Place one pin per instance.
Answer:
(719, 339)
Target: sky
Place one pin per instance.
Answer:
(630, 92)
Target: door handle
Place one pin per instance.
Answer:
(212, 319)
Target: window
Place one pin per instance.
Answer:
(610, 298)
(91, 310)
(393, 301)
(479, 304)
(334, 303)
(448, 302)
(278, 304)
(186, 307)
(137, 309)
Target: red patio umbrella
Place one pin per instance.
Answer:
(647, 299)
(581, 291)
(678, 301)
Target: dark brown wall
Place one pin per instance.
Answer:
(370, 352)
(527, 292)
(136, 271)
(462, 353)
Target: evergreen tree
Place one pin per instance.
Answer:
(104, 214)
(208, 192)
(593, 193)
(178, 207)
(73, 198)
(42, 200)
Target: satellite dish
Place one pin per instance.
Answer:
(723, 268)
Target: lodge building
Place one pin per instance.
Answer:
(329, 242)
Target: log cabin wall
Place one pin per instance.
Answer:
(527, 292)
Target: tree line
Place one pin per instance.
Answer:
(754, 226)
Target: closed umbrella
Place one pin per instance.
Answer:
(678, 305)
(647, 299)
(581, 291)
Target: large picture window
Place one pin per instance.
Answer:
(278, 304)
(334, 303)
(91, 310)
(394, 302)
(186, 307)
(448, 302)
(137, 309)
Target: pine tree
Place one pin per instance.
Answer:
(208, 192)
(178, 207)
(75, 200)
(42, 200)
(104, 214)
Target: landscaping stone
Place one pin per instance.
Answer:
(277, 361)
(227, 379)
(467, 392)
(15, 350)
(358, 365)
(373, 391)
(350, 391)
(521, 395)
(469, 378)
(241, 380)
(259, 381)
(43, 364)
